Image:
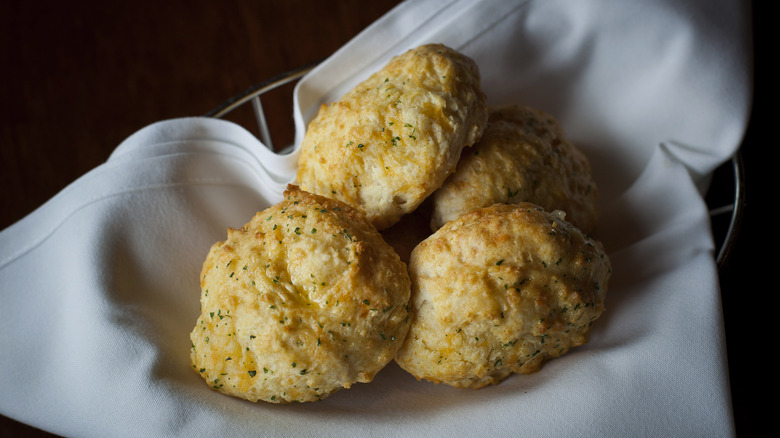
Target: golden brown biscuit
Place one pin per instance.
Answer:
(392, 140)
(523, 156)
(302, 301)
(499, 290)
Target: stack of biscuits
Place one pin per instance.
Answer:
(425, 228)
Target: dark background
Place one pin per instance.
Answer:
(77, 78)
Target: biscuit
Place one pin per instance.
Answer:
(498, 291)
(304, 300)
(391, 141)
(523, 156)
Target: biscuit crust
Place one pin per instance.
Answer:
(304, 300)
(498, 291)
(392, 140)
(523, 156)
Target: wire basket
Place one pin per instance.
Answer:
(725, 198)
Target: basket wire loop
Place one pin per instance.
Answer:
(736, 208)
(262, 124)
(253, 94)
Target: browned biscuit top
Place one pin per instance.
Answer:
(499, 290)
(304, 300)
(391, 141)
(523, 156)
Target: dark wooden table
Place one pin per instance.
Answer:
(79, 77)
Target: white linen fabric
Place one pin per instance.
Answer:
(99, 286)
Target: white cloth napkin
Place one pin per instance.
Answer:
(99, 286)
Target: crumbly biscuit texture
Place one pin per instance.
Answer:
(304, 300)
(523, 156)
(392, 140)
(498, 291)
